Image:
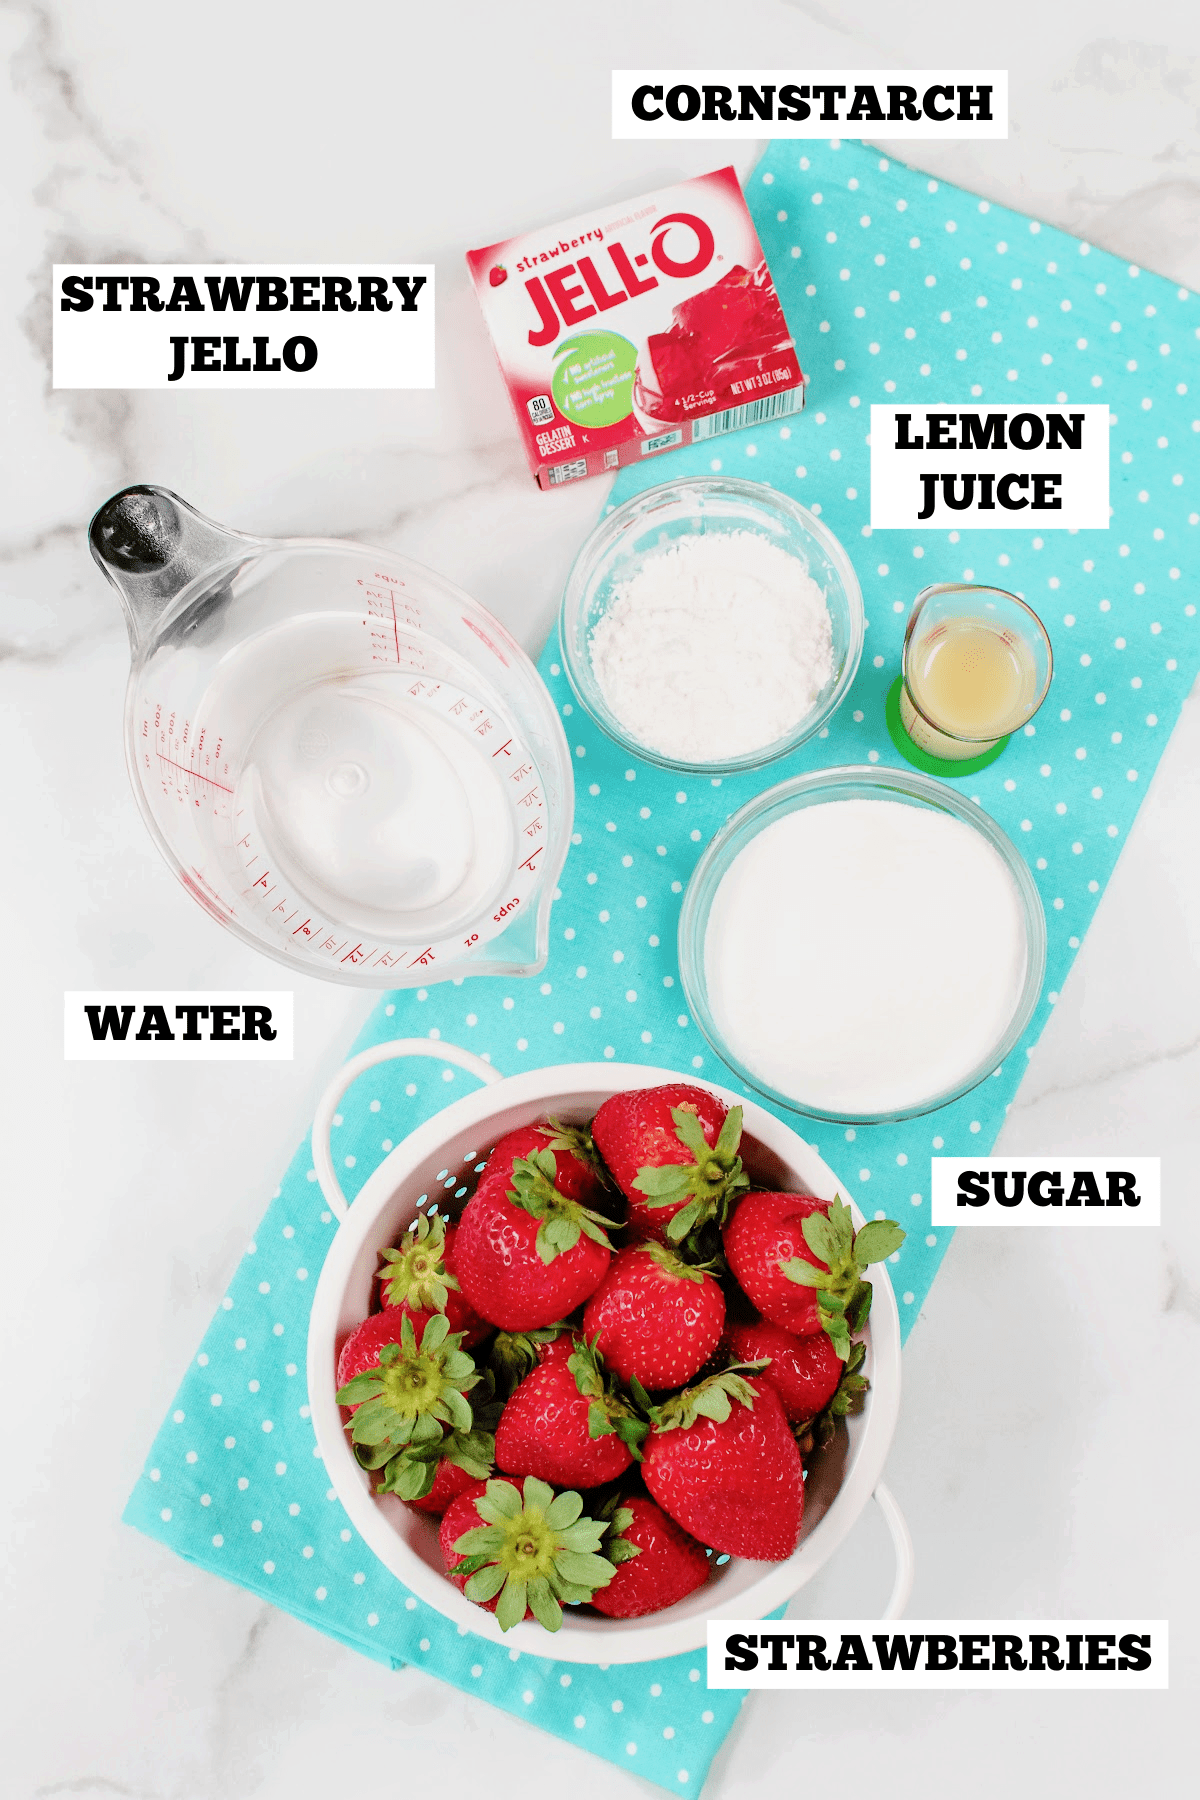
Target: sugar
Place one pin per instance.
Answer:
(715, 647)
(865, 956)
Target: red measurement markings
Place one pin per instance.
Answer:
(503, 750)
(194, 773)
(382, 606)
(532, 858)
(484, 639)
(197, 883)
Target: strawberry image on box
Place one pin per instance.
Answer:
(646, 324)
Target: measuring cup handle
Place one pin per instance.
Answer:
(368, 1059)
(906, 1560)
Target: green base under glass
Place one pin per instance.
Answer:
(920, 759)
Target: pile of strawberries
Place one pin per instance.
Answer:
(615, 1362)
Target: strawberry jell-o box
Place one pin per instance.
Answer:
(647, 324)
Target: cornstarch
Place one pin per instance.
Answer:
(718, 646)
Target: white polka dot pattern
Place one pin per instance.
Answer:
(889, 296)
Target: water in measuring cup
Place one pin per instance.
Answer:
(377, 807)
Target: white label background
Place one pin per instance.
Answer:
(1146, 1170)
(98, 349)
(895, 1679)
(625, 82)
(80, 1046)
(897, 492)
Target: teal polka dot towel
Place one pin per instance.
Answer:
(896, 285)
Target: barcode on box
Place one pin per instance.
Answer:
(755, 412)
(568, 471)
(664, 441)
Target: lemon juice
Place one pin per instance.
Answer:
(973, 679)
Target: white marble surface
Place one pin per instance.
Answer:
(1046, 1453)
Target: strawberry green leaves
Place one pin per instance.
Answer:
(710, 1399)
(671, 1264)
(849, 1397)
(416, 1272)
(562, 1220)
(609, 1411)
(618, 1548)
(534, 1550)
(577, 1141)
(410, 1475)
(515, 1354)
(877, 1241)
(408, 1401)
(843, 1297)
(709, 1183)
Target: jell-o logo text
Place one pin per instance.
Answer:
(579, 290)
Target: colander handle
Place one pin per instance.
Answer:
(368, 1059)
(906, 1561)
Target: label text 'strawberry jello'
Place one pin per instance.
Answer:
(628, 331)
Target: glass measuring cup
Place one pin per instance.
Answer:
(347, 761)
(977, 665)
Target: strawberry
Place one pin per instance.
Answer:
(563, 1429)
(722, 1462)
(522, 1549)
(579, 1173)
(657, 1562)
(672, 1151)
(528, 1251)
(848, 1397)
(419, 1277)
(459, 1516)
(515, 1354)
(498, 275)
(409, 1402)
(361, 1349)
(804, 1371)
(450, 1480)
(765, 1231)
(655, 1318)
(801, 1263)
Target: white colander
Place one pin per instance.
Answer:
(430, 1165)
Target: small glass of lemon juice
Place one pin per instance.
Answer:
(977, 665)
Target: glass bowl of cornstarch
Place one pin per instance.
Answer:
(711, 625)
(862, 944)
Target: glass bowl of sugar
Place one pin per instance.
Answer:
(862, 944)
(711, 625)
